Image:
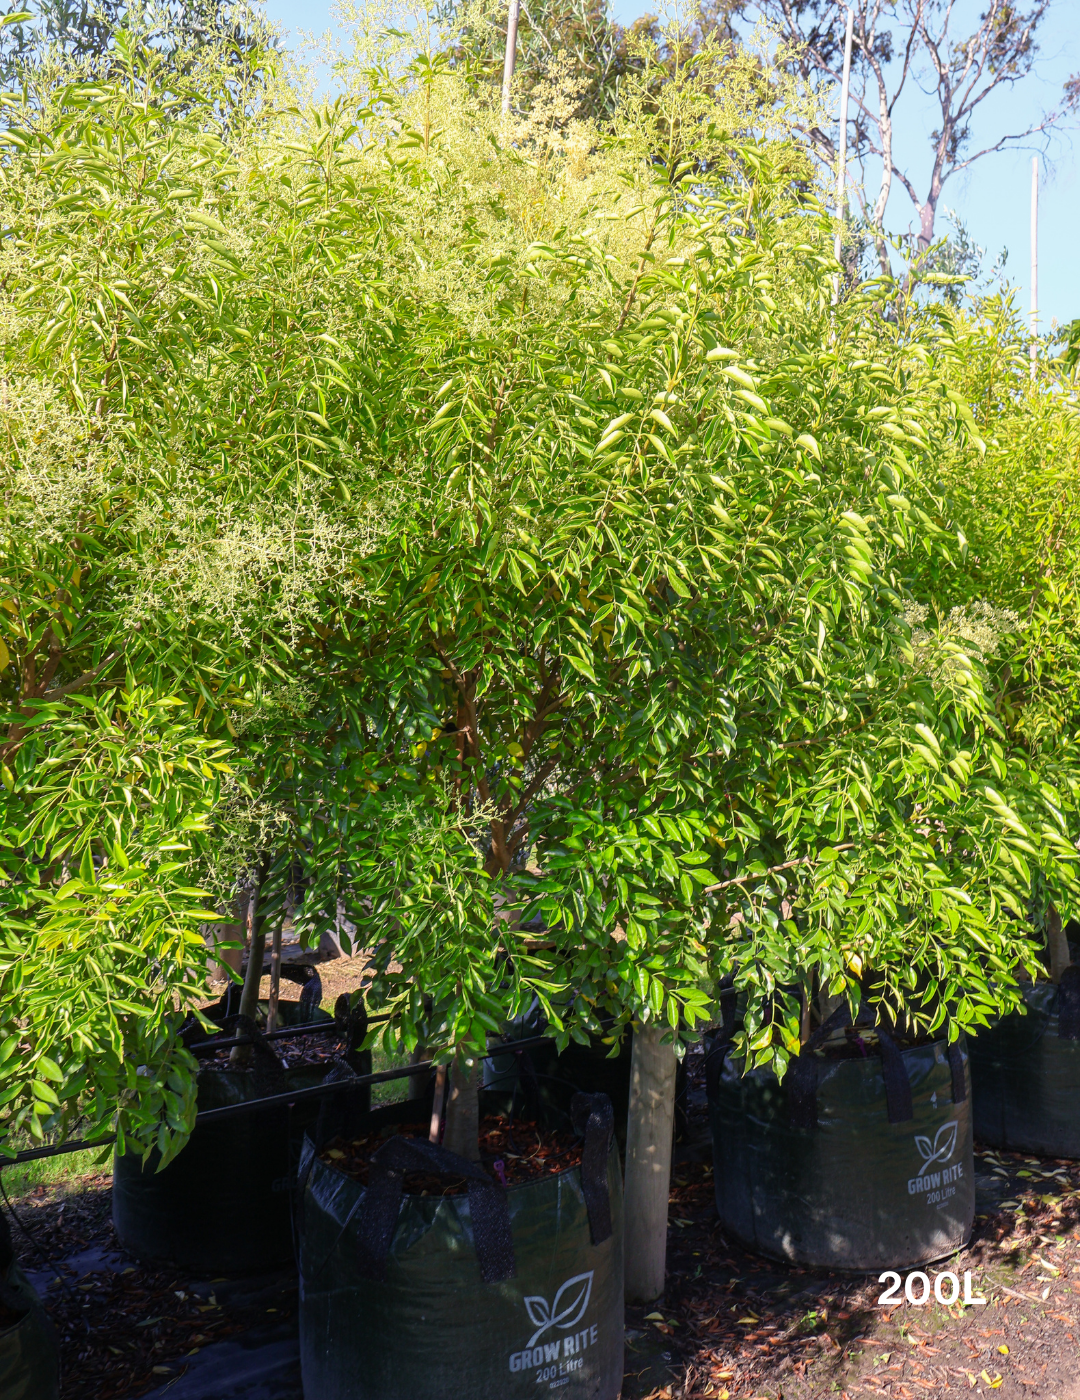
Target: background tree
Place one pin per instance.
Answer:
(84, 32)
(916, 47)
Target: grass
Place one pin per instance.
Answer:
(22, 1177)
(393, 1089)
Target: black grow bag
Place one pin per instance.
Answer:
(489, 1295)
(849, 1163)
(223, 1203)
(1025, 1074)
(29, 1364)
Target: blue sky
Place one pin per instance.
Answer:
(993, 198)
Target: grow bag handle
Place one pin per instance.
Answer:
(802, 1074)
(488, 1206)
(337, 1112)
(352, 1025)
(593, 1117)
(956, 1069)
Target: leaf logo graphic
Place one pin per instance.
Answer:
(565, 1312)
(941, 1149)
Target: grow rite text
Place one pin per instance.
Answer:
(932, 1180)
(557, 1351)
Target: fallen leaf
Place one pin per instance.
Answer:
(1003, 1349)
(162, 1371)
(654, 1317)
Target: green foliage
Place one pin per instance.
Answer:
(102, 802)
(551, 578)
(642, 661)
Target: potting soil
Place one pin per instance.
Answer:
(1025, 1074)
(495, 1293)
(511, 1152)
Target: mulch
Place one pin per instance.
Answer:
(511, 1152)
(732, 1324)
(121, 1332)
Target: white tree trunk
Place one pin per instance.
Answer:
(648, 1163)
(462, 1133)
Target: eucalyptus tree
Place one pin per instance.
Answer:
(965, 66)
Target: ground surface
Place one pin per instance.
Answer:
(730, 1323)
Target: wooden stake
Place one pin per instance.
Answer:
(648, 1163)
(841, 164)
(275, 977)
(436, 1107)
(1034, 262)
(510, 57)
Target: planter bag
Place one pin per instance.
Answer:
(500, 1294)
(849, 1163)
(223, 1203)
(29, 1360)
(1025, 1074)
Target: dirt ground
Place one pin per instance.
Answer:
(735, 1325)
(731, 1326)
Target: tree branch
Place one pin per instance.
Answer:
(772, 870)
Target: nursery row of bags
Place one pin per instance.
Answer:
(421, 1270)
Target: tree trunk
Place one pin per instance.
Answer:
(648, 1163)
(417, 1083)
(1057, 944)
(462, 1133)
(249, 997)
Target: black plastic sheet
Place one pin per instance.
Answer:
(29, 1364)
(846, 1188)
(222, 1205)
(1025, 1078)
(434, 1328)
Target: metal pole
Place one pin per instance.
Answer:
(511, 54)
(841, 164)
(1034, 262)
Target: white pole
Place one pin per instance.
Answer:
(511, 54)
(841, 164)
(1034, 261)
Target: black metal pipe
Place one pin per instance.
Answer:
(316, 1091)
(308, 1028)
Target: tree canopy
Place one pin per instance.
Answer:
(489, 528)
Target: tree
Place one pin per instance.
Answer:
(918, 45)
(86, 33)
(160, 551)
(642, 693)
